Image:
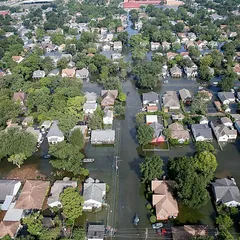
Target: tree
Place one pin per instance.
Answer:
(17, 159)
(224, 221)
(119, 110)
(96, 120)
(151, 168)
(206, 60)
(78, 234)
(122, 97)
(205, 73)
(147, 81)
(226, 84)
(204, 146)
(123, 37)
(17, 145)
(62, 63)
(145, 134)
(76, 138)
(72, 203)
(199, 105)
(34, 223)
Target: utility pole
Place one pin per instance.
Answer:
(146, 234)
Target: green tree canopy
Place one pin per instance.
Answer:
(144, 134)
(151, 168)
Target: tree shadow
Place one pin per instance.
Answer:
(133, 134)
(135, 166)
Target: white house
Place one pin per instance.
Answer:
(8, 190)
(55, 135)
(203, 120)
(117, 46)
(94, 194)
(155, 45)
(57, 188)
(106, 47)
(89, 108)
(108, 117)
(201, 132)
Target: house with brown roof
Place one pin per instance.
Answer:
(9, 228)
(166, 206)
(20, 97)
(186, 232)
(171, 55)
(236, 69)
(68, 72)
(32, 195)
(108, 97)
(17, 59)
(177, 132)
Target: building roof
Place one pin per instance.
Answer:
(68, 72)
(103, 136)
(178, 132)
(96, 231)
(32, 194)
(225, 96)
(170, 100)
(54, 131)
(7, 188)
(108, 113)
(162, 199)
(158, 128)
(8, 228)
(225, 120)
(13, 214)
(109, 93)
(226, 190)
(188, 231)
(201, 130)
(185, 94)
(38, 74)
(89, 106)
(150, 97)
(54, 72)
(222, 130)
(83, 72)
(94, 190)
(175, 70)
(19, 96)
(151, 118)
(58, 188)
(90, 96)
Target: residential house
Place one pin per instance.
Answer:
(120, 29)
(138, 25)
(150, 98)
(116, 56)
(162, 199)
(89, 108)
(46, 125)
(54, 134)
(164, 71)
(38, 74)
(176, 72)
(108, 117)
(155, 46)
(185, 96)
(117, 46)
(68, 73)
(83, 129)
(9, 228)
(201, 44)
(91, 97)
(94, 193)
(57, 188)
(237, 125)
(8, 191)
(224, 133)
(203, 120)
(20, 97)
(188, 232)
(171, 55)
(158, 132)
(226, 192)
(17, 59)
(166, 46)
(226, 97)
(54, 72)
(32, 195)
(82, 74)
(177, 116)
(202, 132)
(206, 95)
(106, 47)
(151, 119)
(103, 136)
(36, 132)
(236, 69)
(96, 232)
(108, 97)
(170, 101)
(226, 121)
(177, 132)
(109, 37)
(191, 72)
(192, 36)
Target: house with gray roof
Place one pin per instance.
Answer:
(82, 74)
(226, 97)
(108, 117)
(54, 72)
(158, 132)
(175, 72)
(95, 232)
(38, 74)
(170, 101)
(36, 132)
(224, 133)
(103, 136)
(117, 46)
(94, 193)
(55, 135)
(8, 190)
(185, 95)
(150, 98)
(202, 132)
(57, 188)
(91, 97)
(191, 72)
(89, 108)
(226, 191)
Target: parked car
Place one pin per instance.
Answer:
(165, 81)
(136, 219)
(157, 225)
(161, 232)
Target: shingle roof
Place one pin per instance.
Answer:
(8, 228)
(6, 188)
(96, 231)
(184, 94)
(157, 127)
(151, 96)
(54, 131)
(103, 136)
(201, 130)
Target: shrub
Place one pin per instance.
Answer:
(153, 219)
(149, 206)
